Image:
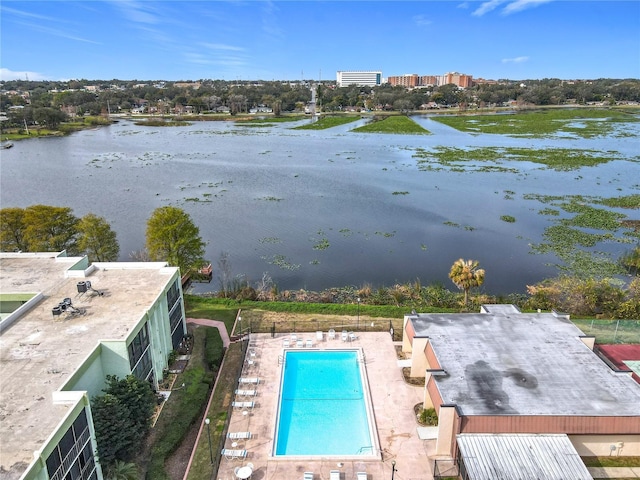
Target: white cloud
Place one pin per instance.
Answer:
(221, 46)
(138, 12)
(57, 32)
(421, 20)
(515, 60)
(512, 6)
(487, 7)
(520, 5)
(6, 75)
(463, 5)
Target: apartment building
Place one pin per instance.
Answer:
(530, 377)
(65, 324)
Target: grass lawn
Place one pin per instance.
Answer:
(585, 123)
(397, 124)
(218, 413)
(611, 461)
(328, 122)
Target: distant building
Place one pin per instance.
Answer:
(409, 80)
(360, 78)
(459, 79)
(413, 80)
(66, 324)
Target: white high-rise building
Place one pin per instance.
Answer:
(369, 78)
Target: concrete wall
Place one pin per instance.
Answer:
(447, 429)
(602, 445)
(419, 362)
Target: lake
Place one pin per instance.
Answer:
(318, 209)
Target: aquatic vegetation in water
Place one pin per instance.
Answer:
(400, 193)
(281, 262)
(396, 124)
(270, 199)
(457, 159)
(328, 122)
(563, 123)
(507, 218)
(272, 240)
(574, 237)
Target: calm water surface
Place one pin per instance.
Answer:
(317, 209)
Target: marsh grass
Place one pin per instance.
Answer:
(396, 124)
(267, 120)
(561, 159)
(585, 123)
(579, 228)
(328, 122)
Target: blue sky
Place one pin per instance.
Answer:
(293, 40)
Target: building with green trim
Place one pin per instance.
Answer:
(65, 324)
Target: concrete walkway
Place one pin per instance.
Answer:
(213, 323)
(614, 472)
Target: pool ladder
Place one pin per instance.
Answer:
(362, 449)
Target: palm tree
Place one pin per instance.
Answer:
(120, 470)
(465, 274)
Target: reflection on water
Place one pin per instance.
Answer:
(317, 209)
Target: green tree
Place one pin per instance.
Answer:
(97, 240)
(12, 230)
(122, 417)
(465, 274)
(120, 470)
(50, 229)
(50, 117)
(173, 237)
(137, 395)
(112, 425)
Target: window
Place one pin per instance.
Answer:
(72, 459)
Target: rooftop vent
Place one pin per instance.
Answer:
(65, 306)
(84, 287)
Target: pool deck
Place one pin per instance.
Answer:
(392, 398)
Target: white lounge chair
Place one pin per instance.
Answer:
(285, 343)
(352, 337)
(361, 476)
(246, 393)
(299, 343)
(309, 343)
(308, 476)
(239, 435)
(331, 334)
(345, 335)
(319, 336)
(242, 405)
(231, 454)
(334, 475)
(253, 380)
(294, 337)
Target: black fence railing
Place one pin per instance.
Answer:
(217, 453)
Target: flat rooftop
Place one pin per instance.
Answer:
(512, 363)
(39, 352)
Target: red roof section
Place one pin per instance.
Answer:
(617, 354)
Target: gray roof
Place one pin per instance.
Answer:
(522, 364)
(509, 456)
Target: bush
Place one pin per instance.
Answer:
(428, 416)
(213, 349)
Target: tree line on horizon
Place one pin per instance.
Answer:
(240, 96)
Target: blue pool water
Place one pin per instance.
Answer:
(322, 405)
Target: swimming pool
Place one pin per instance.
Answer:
(324, 407)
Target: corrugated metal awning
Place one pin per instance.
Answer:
(520, 457)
